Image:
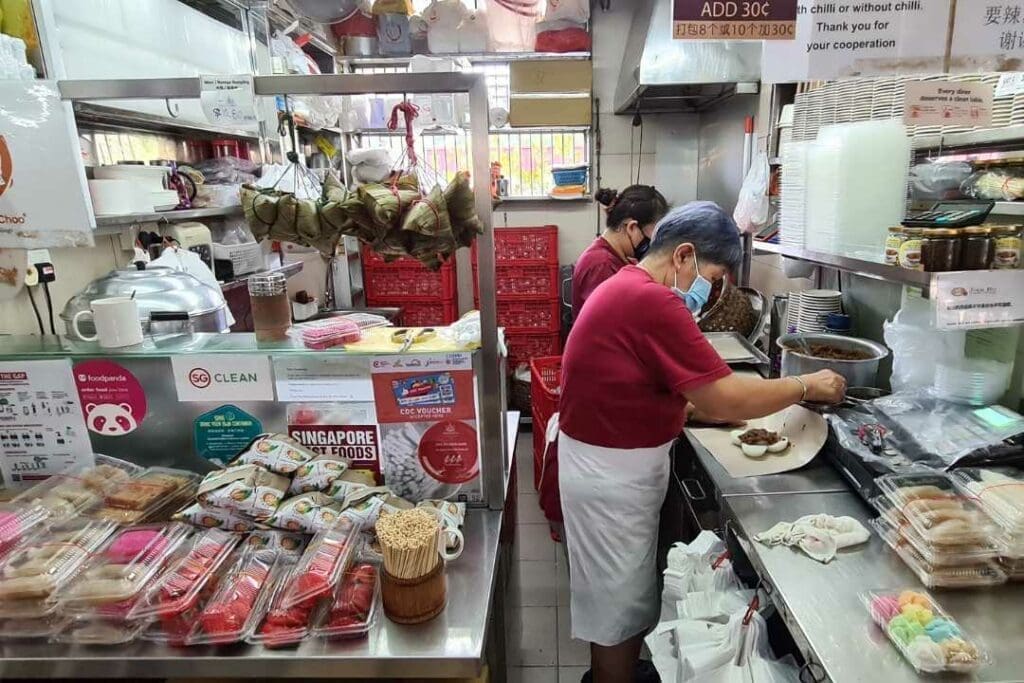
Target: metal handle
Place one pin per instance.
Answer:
(685, 483)
(564, 291)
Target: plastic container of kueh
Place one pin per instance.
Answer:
(944, 555)
(979, 574)
(924, 633)
(321, 565)
(937, 510)
(121, 570)
(240, 601)
(18, 524)
(31, 628)
(151, 491)
(323, 334)
(352, 611)
(284, 626)
(80, 488)
(98, 631)
(999, 492)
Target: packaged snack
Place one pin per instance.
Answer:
(31, 628)
(238, 604)
(999, 491)
(937, 554)
(323, 334)
(275, 452)
(178, 588)
(244, 489)
(17, 524)
(350, 482)
(923, 632)
(95, 631)
(283, 626)
(118, 573)
(938, 512)
(320, 567)
(353, 609)
(214, 518)
(308, 512)
(77, 489)
(148, 495)
(364, 510)
(43, 564)
(317, 474)
(287, 543)
(979, 573)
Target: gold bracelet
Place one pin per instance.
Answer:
(803, 385)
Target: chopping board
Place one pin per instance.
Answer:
(805, 429)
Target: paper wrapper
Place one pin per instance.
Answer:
(317, 475)
(806, 431)
(275, 452)
(213, 518)
(247, 490)
(306, 512)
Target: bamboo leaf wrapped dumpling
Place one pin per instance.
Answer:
(386, 204)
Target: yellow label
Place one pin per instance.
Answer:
(1007, 253)
(910, 254)
(325, 146)
(892, 249)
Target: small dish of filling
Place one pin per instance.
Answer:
(757, 443)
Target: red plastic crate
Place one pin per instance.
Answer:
(373, 259)
(409, 282)
(522, 282)
(524, 245)
(528, 316)
(421, 313)
(525, 346)
(545, 382)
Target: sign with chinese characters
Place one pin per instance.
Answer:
(837, 39)
(220, 434)
(228, 100)
(945, 103)
(988, 35)
(734, 19)
(978, 298)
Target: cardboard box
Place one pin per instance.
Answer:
(550, 76)
(549, 111)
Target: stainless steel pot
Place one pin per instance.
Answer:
(858, 373)
(157, 290)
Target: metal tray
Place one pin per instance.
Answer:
(735, 349)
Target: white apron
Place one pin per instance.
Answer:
(611, 500)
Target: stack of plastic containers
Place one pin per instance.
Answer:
(527, 289)
(941, 535)
(426, 297)
(1000, 493)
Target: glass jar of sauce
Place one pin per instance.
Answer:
(271, 312)
(978, 249)
(892, 245)
(1008, 241)
(910, 249)
(940, 249)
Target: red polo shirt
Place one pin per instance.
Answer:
(595, 265)
(632, 355)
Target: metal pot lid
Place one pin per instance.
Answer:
(156, 289)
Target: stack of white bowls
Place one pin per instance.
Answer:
(808, 310)
(974, 381)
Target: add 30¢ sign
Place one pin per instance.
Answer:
(734, 19)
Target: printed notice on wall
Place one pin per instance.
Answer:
(988, 36)
(322, 378)
(978, 298)
(338, 430)
(945, 103)
(734, 19)
(223, 378)
(42, 428)
(228, 100)
(837, 39)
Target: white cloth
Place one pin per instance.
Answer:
(819, 536)
(611, 499)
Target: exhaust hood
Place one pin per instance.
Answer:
(661, 74)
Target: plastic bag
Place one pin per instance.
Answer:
(751, 212)
(996, 184)
(571, 10)
(234, 230)
(573, 39)
(918, 347)
(939, 180)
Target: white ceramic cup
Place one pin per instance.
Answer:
(116, 320)
(447, 535)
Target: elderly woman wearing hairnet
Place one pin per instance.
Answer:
(634, 368)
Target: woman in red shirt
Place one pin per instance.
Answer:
(632, 215)
(634, 366)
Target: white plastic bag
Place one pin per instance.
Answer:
(751, 212)
(918, 348)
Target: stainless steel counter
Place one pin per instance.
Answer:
(449, 646)
(816, 477)
(821, 606)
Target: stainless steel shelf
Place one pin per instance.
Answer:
(522, 200)
(1008, 209)
(107, 225)
(101, 116)
(872, 269)
(508, 130)
(474, 58)
(973, 138)
(287, 270)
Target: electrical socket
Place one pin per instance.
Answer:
(31, 276)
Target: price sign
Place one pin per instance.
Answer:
(228, 100)
(978, 298)
(734, 19)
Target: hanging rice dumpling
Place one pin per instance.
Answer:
(466, 225)
(385, 204)
(429, 216)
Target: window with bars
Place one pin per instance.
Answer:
(526, 155)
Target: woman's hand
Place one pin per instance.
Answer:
(695, 417)
(824, 386)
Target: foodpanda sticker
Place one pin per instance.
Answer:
(112, 398)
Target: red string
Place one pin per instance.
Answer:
(411, 111)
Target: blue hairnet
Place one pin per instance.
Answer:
(711, 231)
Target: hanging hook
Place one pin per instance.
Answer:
(174, 113)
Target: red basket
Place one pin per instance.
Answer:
(545, 381)
(525, 245)
(528, 316)
(525, 346)
(409, 282)
(420, 313)
(522, 282)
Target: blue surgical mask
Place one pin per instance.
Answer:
(696, 297)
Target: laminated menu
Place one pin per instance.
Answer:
(246, 489)
(306, 512)
(318, 570)
(924, 633)
(276, 452)
(239, 603)
(146, 495)
(117, 574)
(353, 607)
